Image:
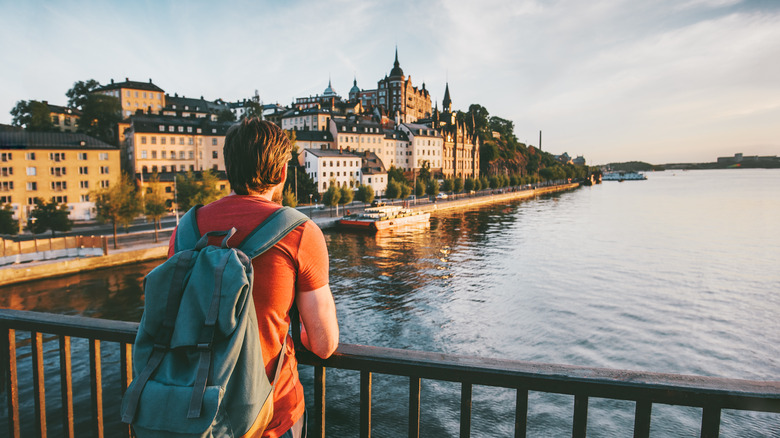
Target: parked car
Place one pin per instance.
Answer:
(441, 196)
(378, 203)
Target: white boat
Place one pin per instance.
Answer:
(623, 176)
(380, 218)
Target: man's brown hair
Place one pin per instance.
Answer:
(256, 153)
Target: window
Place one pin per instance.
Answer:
(168, 189)
(6, 171)
(163, 168)
(83, 170)
(60, 199)
(29, 156)
(104, 183)
(57, 156)
(214, 155)
(170, 128)
(181, 140)
(162, 140)
(143, 154)
(57, 171)
(84, 184)
(154, 154)
(213, 141)
(182, 168)
(85, 198)
(181, 128)
(181, 155)
(5, 200)
(162, 154)
(192, 155)
(82, 156)
(103, 170)
(32, 171)
(190, 141)
(59, 185)
(103, 156)
(32, 186)
(189, 129)
(154, 140)
(143, 140)
(162, 128)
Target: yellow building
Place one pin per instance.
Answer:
(55, 166)
(63, 118)
(134, 96)
(174, 144)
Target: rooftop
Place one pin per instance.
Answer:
(49, 140)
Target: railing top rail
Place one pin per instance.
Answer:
(666, 388)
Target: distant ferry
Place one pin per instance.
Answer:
(381, 218)
(623, 176)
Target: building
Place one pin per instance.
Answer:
(357, 134)
(134, 96)
(60, 167)
(397, 150)
(426, 147)
(157, 143)
(312, 140)
(332, 167)
(402, 101)
(373, 173)
(579, 161)
(63, 118)
(326, 100)
(460, 149)
(167, 183)
(315, 119)
(180, 106)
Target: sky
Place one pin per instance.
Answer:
(662, 81)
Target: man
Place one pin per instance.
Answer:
(295, 269)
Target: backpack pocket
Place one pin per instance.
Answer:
(162, 411)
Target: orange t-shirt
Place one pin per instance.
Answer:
(298, 263)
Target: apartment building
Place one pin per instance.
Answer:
(357, 134)
(63, 118)
(426, 146)
(332, 167)
(134, 96)
(397, 150)
(373, 173)
(311, 119)
(55, 166)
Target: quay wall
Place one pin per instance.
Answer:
(35, 271)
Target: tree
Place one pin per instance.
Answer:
(484, 183)
(393, 190)
(365, 193)
(50, 216)
(77, 95)
(226, 116)
(192, 189)
(99, 117)
(32, 115)
(289, 199)
(468, 185)
(448, 184)
(8, 225)
(154, 202)
(252, 108)
(432, 188)
(406, 190)
(457, 185)
(332, 196)
(346, 195)
(396, 174)
(419, 188)
(118, 203)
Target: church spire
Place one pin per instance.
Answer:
(447, 102)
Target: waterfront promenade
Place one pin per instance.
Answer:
(140, 250)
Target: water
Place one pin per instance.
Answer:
(675, 274)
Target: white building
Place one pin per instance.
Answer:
(427, 145)
(332, 166)
(398, 150)
(358, 135)
(373, 173)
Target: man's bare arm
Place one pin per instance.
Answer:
(320, 331)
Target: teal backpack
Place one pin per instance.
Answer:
(197, 359)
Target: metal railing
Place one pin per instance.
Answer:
(645, 389)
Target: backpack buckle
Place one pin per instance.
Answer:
(203, 347)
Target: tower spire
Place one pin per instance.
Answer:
(447, 102)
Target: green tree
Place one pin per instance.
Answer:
(289, 199)
(154, 203)
(346, 195)
(77, 96)
(8, 225)
(468, 185)
(393, 190)
(226, 116)
(365, 193)
(118, 203)
(432, 187)
(192, 189)
(331, 196)
(484, 183)
(32, 115)
(419, 188)
(99, 117)
(448, 185)
(406, 190)
(457, 185)
(396, 174)
(50, 216)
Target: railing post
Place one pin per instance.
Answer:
(465, 410)
(319, 401)
(642, 419)
(521, 413)
(365, 404)
(580, 427)
(66, 387)
(710, 422)
(126, 375)
(39, 385)
(11, 382)
(96, 385)
(414, 407)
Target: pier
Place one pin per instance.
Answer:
(710, 394)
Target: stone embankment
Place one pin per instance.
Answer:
(140, 253)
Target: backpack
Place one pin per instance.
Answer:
(197, 357)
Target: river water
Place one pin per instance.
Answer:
(675, 274)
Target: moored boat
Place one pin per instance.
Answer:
(381, 218)
(623, 176)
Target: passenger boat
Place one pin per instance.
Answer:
(381, 218)
(623, 176)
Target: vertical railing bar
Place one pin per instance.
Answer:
(521, 413)
(642, 419)
(580, 427)
(66, 386)
(365, 404)
(96, 386)
(12, 383)
(126, 375)
(39, 383)
(710, 422)
(319, 401)
(414, 407)
(465, 410)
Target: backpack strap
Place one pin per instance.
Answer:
(271, 231)
(187, 233)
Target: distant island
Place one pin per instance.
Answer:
(737, 161)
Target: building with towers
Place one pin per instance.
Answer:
(460, 151)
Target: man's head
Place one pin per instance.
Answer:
(256, 155)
